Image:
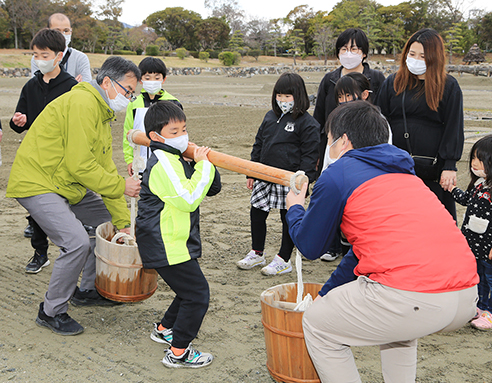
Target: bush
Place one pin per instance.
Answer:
(166, 53)
(139, 51)
(254, 53)
(229, 58)
(204, 56)
(123, 52)
(193, 54)
(152, 50)
(181, 53)
(213, 54)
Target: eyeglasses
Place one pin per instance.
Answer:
(353, 49)
(128, 93)
(65, 31)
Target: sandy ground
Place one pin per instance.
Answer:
(223, 113)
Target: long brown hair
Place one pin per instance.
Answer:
(435, 75)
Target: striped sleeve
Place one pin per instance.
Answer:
(169, 183)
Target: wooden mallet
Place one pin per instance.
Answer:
(238, 165)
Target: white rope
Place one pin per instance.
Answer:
(293, 181)
(302, 304)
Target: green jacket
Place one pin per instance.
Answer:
(68, 150)
(168, 222)
(143, 101)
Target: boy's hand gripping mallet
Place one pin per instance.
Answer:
(238, 165)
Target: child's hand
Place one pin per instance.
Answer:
(448, 180)
(130, 169)
(79, 78)
(249, 183)
(490, 254)
(19, 119)
(201, 153)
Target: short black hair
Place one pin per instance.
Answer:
(482, 149)
(361, 121)
(358, 36)
(291, 83)
(353, 83)
(49, 39)
(116, 67)
(161, 114)
(152, 65)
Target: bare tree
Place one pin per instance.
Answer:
(324, 40)
(230, 10)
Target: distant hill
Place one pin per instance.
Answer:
(125, 25)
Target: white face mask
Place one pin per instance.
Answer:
(119, 103)
(152, 87)
(350, 60)
(180, 143)
(286, 106)
(479, 173)
(68, 38)
(46, 66)
(329, 159)
(416, 67)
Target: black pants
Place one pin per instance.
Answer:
(259, 228)
(39, 239)
(444, 196)
(186, 312)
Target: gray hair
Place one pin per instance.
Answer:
(116, 67)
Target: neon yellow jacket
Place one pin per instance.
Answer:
(168, 229)
(68, 150)
(143, 101)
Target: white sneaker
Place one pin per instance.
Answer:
(277, 266)
(251, 260)
(329, 256)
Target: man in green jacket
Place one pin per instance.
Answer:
(64, 175)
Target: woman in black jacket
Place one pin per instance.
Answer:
(424, 107)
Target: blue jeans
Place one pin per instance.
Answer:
(484, 270)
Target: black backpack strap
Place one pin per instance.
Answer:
(65, 58)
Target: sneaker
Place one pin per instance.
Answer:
(330, 256)
(484, 322)
(90, 298)
(28, 231)
(478, 314)
(277, 266)
(60, 324)
(191, 358)
(164, 336)
(251, 260)
(36, 263)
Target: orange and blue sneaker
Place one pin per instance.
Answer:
(162, 336)
(191, 358)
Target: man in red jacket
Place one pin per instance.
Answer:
(410, 271)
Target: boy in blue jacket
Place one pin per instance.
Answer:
(167, 230)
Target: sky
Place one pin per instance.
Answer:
(135, 11)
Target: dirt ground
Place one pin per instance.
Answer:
(223, 113)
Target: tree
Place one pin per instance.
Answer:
(453, 39)
(370, 24)
(275, 33)
(15, 9)
(236, 42)
(228, 10)
(213, 33)
(177, 25)
(257, 33)
(299, 19)
(140, 37)
(5, 33)
(295, 43)
(324, 41)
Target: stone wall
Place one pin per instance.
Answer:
(484, 70)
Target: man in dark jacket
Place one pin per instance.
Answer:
(48, 83)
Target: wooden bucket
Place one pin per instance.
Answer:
(120, 275)
(287, 356)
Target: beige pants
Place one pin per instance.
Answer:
(366, 313)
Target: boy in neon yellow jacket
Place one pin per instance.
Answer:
(168, 233)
